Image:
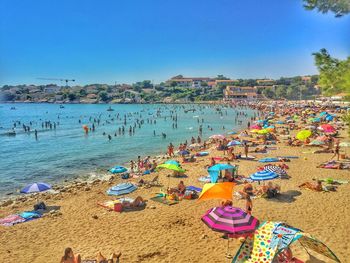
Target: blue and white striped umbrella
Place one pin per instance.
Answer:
(263, 176)
(233, 143)
(122, 189)
(35, 187)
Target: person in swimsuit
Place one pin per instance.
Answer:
(69, 256)
(247, 190)
(248, 205)
(336, 150)
(312, 186)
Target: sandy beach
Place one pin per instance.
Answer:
(175, 233)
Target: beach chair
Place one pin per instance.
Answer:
(153, 183)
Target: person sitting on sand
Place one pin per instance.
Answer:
(269, 189)
(114, 258)
(180, 190)
(69, 256)
(139, 201)
(226, 203)
(313, 186)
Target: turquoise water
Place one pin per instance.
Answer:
(66, 152)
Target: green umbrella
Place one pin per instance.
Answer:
(172, 167)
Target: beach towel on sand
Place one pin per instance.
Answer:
(11, 220)
(161, 200)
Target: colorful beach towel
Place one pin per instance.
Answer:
(161, 200)
(12, 220)
(193, 188)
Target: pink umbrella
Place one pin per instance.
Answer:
(256, 127)
(327, 128)
(230, 220)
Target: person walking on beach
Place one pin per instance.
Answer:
(246, 149)
(248, 205)
(336, 150)
(171, 150)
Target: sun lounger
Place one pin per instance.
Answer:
(161, 200)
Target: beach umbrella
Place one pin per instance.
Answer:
(323, 113)
(172, 162)
(232, 133)
(279, 122)
(327, 128)
(122, 189)
(230, 220)
(217, 191)
(263, 175)
(172, 167)
(303, 135)
(234, 143)
(275, 169)
(242, 134)
(254, 131)
(257, 127)
(264, 131)
(35, 188)
(217, 137)
(184, 152)
(118, 169)
(329, 118)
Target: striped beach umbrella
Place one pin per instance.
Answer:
(233, 143)
(217, 137)
(263, 175)
(230, 220)
(122, 189)
(275, 169)
(35, 188)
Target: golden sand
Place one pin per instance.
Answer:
(175, 233)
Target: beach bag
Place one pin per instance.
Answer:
(40, 206)
(125, 176)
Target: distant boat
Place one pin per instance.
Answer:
(110, 109)
(61, 106)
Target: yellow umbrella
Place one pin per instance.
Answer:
(303, 135)
(217, 191)
(264, 131)
(254, 130)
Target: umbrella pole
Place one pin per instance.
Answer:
(228, 255)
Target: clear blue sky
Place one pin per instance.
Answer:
(102, 41)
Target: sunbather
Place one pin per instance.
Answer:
(69, 256)
(136, 203)
(312, 186)
(270, 190)
(114, 258)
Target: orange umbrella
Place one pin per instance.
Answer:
(217, 191)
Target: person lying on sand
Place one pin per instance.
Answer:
(313, 186)
(114, 258)
(69, 256)
(260, 150)
(139, 201)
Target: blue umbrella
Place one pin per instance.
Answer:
(184, 152)
(232, 133)
(215, 169)
(172, 162)
(118, 169)
(263, 176)
(233, 143)
(323, 113)
(35, 187)
(279, 122)
(268, 160)
(329, 117)
(122, 189)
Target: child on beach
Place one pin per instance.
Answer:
(248, 205)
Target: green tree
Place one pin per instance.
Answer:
(338, 7)
(103, 96)
(334, 73)
(221, 77)
(268, 92)
(82, 92)
(72, 96)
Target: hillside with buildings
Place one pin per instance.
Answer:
(178, 89)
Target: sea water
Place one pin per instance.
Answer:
(67, 152)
